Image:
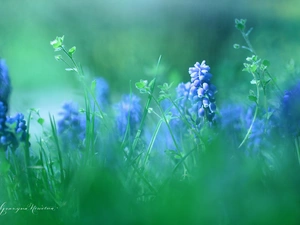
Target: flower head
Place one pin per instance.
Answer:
(71, 126)
(102, 92)
(20, 126)
(13, 130)
(290, 111)
(183, 90)
(5, 85)
(235, 121)
(128, 114)
(200, 93)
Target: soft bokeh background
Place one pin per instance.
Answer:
(122, 40)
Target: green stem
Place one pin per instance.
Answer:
(141, 175)
(271, 77)
(73, 61)
(152, 142)
(183, 117)
(255, 114)
(265, 100)
(245, 36)
(27, 157)
(54, 132)
(250, 48)
(146, 107)
(297, 148)
(170, 131)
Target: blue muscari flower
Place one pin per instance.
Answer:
(202, 92)
(235, 121)
(4, 140)
(3, 111)
(128, 110)
(20, 126)
(290, 111)
(5, 85)
(12, 129)
(102, 92)
(71, 126)
(183, 90)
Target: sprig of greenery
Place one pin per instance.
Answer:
(58, 45)
(258, 68)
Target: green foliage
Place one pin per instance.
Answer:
(163, 175)
(258, 69)
(164, 92)
(57, 43)
(240, 24)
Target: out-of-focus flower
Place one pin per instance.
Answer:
(183, 90)
(102, 92)
(71, 126)
(5, 85)
(128, 114)
(13, 130)
(19, 124)
(290, 111)
(235, 120)
(4, 140)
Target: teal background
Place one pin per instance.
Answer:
(122, 40)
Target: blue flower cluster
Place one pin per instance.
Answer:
(4, 82)
(202, 92)
(3, 111)
(235, 121)
(102, 92)
(198, 95)
(71, 126)
(19, 124)
(183, 90)
(128, 113)
(290, 111)
(12, 129)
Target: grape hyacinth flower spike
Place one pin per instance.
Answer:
(71, 126)
(12, 129)
(200, 93)
(17, 128)
(290, 111)
(3, 134)
(102, 92)
(129, 113)
(5, 85)
(183, 90)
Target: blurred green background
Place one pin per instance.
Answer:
(122, 40)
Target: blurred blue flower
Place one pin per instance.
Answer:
(102, 92)
(3, 134)
(183, 90)
(128, 110)
(71, 126)
(3, 111)
(290, 111)
(235, 121)
(5, 85)
(12, 129)
(20, 126)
